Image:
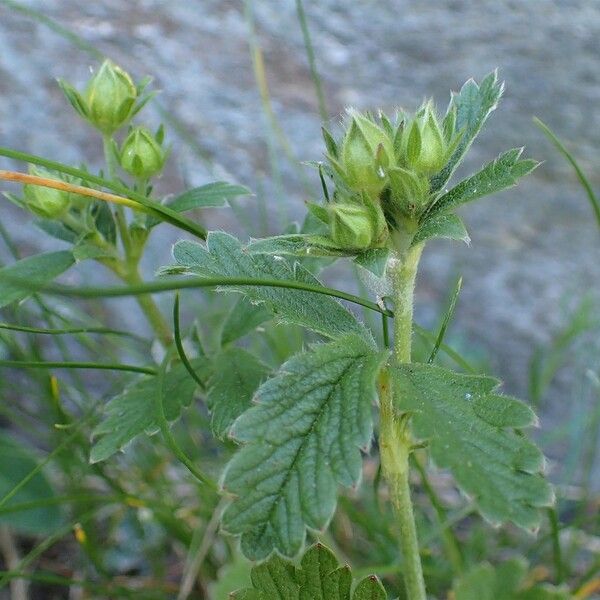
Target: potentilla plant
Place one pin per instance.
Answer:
(302, 431)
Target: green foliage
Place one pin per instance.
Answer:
(501, 173)
(24, 277)
(319, 577)
(225, 256)
(508, 581)
(17, 463)
(299, 441)
(243, 318)
(472, 106)
(475, 432)
(236, 374)
(211, 195)
(447, 226)
(132, 412)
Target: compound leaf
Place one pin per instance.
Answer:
(319, 577)
(499, 174)
(224, 256)
(473, 105)
(300, 440)
(132, 412)
(236, 374)
(474, 431)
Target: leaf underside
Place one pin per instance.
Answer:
(224, 256)
(475, 432)
(319, 577)
(300, 441)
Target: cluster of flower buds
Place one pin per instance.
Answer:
(382, 172)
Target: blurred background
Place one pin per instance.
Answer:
(239, 103)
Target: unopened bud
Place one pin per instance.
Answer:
(45, 202)
(141, 154)
(351, 226)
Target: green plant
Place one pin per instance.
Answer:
(384, 187)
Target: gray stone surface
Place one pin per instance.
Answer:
(533, 248)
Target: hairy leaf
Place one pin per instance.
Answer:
(473, 105)
(299, 441)
(499, 174)
(243, 318)
(132, 412)
(236, 376)
(319, 577)
(373, 260)
(16, 464)
(224, 256)
(508, 581)
(296, 244)
(447, 226)
(473, 431)
(35, 272)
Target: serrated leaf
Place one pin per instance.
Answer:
(296, 244)
(374, 260)
(132, 412)
(243, 318)
(236, 376)
(319, 577)
(471, 430)
(449, 226)
(508, 581)
(300, 441)
(473, 105)
(223, 256)
(35, 271)
(499, 174)
(17, 463)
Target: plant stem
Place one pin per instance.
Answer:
(394, 439)
(150, 309)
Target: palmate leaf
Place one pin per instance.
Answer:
(319, 577)
(473, 105)
(507, 581)
(224, 256)
(499, 174)
(300, 440)
(236, 374)
(132, 412)
(474, 431)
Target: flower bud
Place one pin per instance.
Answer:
(110, 98)
(351, 226)
(424, 146)
(142, 155)
(366, 152)
(48, 203)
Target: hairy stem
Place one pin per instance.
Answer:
(394, 438)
